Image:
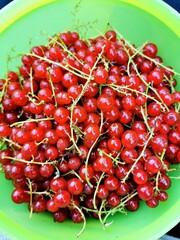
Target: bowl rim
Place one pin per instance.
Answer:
(157, 8)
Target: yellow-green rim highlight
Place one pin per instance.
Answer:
(157, 8)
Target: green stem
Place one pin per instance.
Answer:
(141, 155)
(96, 190)
(20, 123)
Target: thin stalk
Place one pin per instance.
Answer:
(96, 190)
(141, 155)
(20, 123)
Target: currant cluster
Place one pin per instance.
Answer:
(89, 127)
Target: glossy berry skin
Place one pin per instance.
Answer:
(76, 216)
(45, 95)
(46, 170)
(116, 129)
(103, 192)
(92, 132)
(114, 144)
(19, 97)
(128, 155)
(129, 102)
(113, 200)
(55, 74)
(63, 130)
(79, 114)
(159, 143)
(37, 134)
(145, 191)
(111, 35)
(100, 75)
(83, 171)
(150, 50)
(51, 206)
(60, 215)
(51, 153)
(75, 186)
(4, 130)
(155, 77)
(3, 153)
(153, 202)
(104, 163)
(58, 184)
(154, 109)
(29, 150)
(132, 205)
(61, 115)
(16, 172)
(105, 103)
(123, 189)
(120, 171)
(69, 80)
(146, 66)
(10, 117)
(19, 196)
(122, 56)
(25, 71)
(31, 171)
(164, 182)
(90, 104)
(112, 115)
(153, 164)
(174, 137)
(129, 139)
(12, 87)
(162, 196)
(111, 183)
(138, 126)
(171, 118)
(74, 163)
(51, 136)
(125, 116)
(140, 176)
(62, 199)
(39, 206)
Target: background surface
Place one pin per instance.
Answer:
(173, 3)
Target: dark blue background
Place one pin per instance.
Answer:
(176, 5)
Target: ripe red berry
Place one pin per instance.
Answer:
(145, 191)
(114, 144)
(150, 50)
(103, 192)
(19, 97)
(4, 130)
(61, 115)
(92, 132)
(105, 103)
(19, 195)
(62, 199)
(29, 150)
(129, 139)
(104, 163)
(153, 164)
(100, 75)
(75, 186)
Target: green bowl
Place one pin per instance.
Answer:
(27, 23)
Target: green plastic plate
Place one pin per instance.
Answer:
(25, 23)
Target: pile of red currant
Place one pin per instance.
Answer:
(89, 127)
